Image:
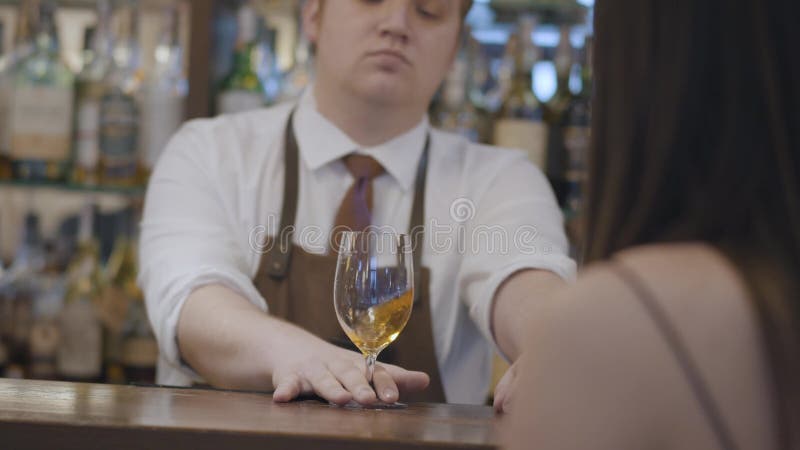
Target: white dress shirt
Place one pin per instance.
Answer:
(218, 190)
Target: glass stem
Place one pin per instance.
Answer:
(370, 358)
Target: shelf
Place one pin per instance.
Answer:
(557, 12)
(132, 192)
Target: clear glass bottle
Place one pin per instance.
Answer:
(21, 290)
(91, 85)
(302, 72)
(503, 76)
(80, 349)
(164, 93)
(120, 106)
(266, 62)
(556, 110)
(5, 163)
(520, 122)
(9, 65)
(241, 90)
(41, 109)
(577, 139)
(456, 112)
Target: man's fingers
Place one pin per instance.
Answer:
(354, 380)
(407, 381)
(385, 385)
(287, 388)
(326, 385)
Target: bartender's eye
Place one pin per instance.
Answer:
(432, 9)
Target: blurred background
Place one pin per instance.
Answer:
(92, 90)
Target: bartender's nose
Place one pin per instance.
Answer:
(395, 20)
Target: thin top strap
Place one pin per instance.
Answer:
(417, 225)
(672, 336)
(278, 257)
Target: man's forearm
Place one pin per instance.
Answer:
(232, 343)
(517, 299)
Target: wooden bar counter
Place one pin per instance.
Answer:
(43, 414)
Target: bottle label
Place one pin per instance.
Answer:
(119, 129)
(162, 118)
(239, 101)
(87, 139)
(523, 134)
(6, 89)
(41, 121)
(79, 352)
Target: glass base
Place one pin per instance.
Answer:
(352, 404)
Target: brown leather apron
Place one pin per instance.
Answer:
(298, 286)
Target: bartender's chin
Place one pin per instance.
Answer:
(385, 92)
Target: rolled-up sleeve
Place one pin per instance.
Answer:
(189, 236)
(517, 225)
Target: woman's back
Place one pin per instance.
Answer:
(647, 350)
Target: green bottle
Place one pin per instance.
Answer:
(242, 90)
(520, 123)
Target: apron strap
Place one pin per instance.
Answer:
(417, 225)
(278, 256)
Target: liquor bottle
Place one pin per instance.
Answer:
(576, 132)
(79, 352)
(5, 162)
(19, 293)
(520, 123)
(2, 40)
(41, 108)
(503, 76)
(302, 72)
(555, 110)
(9, 64)
(90, 86)
(241, 89)
(456, 112)
(563, 62)
(477, 88)
(265, 61)
(45, 334)
(164, 94)
(114, 302)
(3, 360)
(119, 106)
(139, 345)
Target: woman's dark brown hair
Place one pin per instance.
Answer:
(696, 135)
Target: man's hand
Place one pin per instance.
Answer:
(338, 375)
(232, 344)
(504, 391)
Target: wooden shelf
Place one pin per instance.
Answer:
(124, 191)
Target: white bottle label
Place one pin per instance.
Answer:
(88, 134)
(239, 101)
(523, 134)
(163, 116)
(41, 120)
(79, 353)
(6, 90)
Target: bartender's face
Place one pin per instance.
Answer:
(390, 52)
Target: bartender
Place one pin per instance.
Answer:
(232, 311)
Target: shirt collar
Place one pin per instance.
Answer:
(322, 143)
